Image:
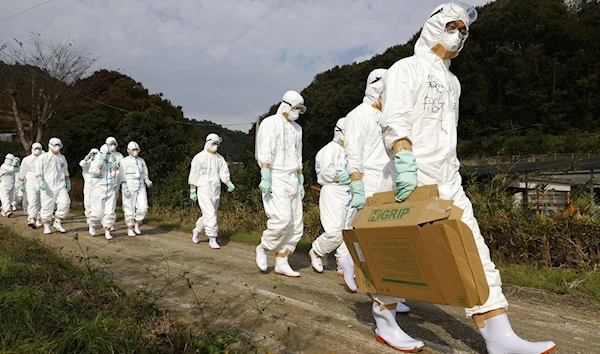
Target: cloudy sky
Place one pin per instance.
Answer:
(226, 61)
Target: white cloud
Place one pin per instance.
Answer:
(226, 60)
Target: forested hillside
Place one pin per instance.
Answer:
(530, 75)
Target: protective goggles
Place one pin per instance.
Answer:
(56, 145)
(298, 107)
(215, 143)
(338, 129)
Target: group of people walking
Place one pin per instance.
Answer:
(403, 134)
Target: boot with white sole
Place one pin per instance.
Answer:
(282, 266)
(130, 232)
(195, 235)
(136, 228)
(92, 230)
(212, 243)
(47, 229)
(58, 226)
(389, 332)
(315, 261)
(107, 234)
(38, 223)
(500, 338)
(347, 265)
(31, 223)
(261, 258)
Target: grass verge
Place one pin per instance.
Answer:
(48, 305)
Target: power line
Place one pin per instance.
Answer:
(24, 11)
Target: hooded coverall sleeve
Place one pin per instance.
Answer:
(39, 165)
(325, 166)
(354, 143)
(397, 118)
(224, 170)
(299, 147)
(65, 169)
(194, 171)
(24, 169)
(145, 169)
(265, 144)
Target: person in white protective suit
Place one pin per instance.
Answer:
(52, 175)
(279, 155)
(369, 164)
(207, 171)
(7, 183)
(420, 116)
(29, 185)
(85, 164)
(135, 197)
(105, 175)
(334, 203)
(18, 195)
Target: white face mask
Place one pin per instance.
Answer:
(452, 40)
(213, 148)
(37, 152)
(113, 147)
(55, 148)
(134, 153)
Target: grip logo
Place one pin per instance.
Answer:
(388, 214)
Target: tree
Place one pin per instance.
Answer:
(39, 82)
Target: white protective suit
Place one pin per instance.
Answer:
(27, 175)
(135, 174)
(53, 169)
(365, 151)
(104, 193)
(18, 197)
(279, 147)
(334, 201)
(207, 171)
(112, 145)
(85, 164)
(7, 184)
(420, 103)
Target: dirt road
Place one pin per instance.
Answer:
(310, 314)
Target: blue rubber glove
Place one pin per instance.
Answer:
(113, 163)
(102, 159)
(358, 194)
(265, 180)
(41, 183)
(16, 162)
(230, 187)
(88, 156)
(343, 177)
(125, 190)
(406, 182)
(148, 183)
(193, 194)
(68, 185)
(22, 186)
(301, 185)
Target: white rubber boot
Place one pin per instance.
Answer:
(107, 234)
(212, 243)
(31, 223)
(47, 229)
(38, 223)
(92, 230)
(347, 265)
(131, 233)
(402, 308)
(136, 228)
(195, 234)
(282, 266)
(501, 339)
(58, 226)
(339, 269)
(261, 258)
(389, 332)
(315, 261)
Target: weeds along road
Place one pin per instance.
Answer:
(310, 314)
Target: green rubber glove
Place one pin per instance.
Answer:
(358, 194)
(102, 159)
(406, 182)
(193, 194)
(68, 185)
(22, 186)
(148, 183)
(230, 187)
(343, 177)
(125, 190)
(265, 180)
(301, 185)
(16, 162)
(41, 183)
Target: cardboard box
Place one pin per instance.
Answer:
(418, 249)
